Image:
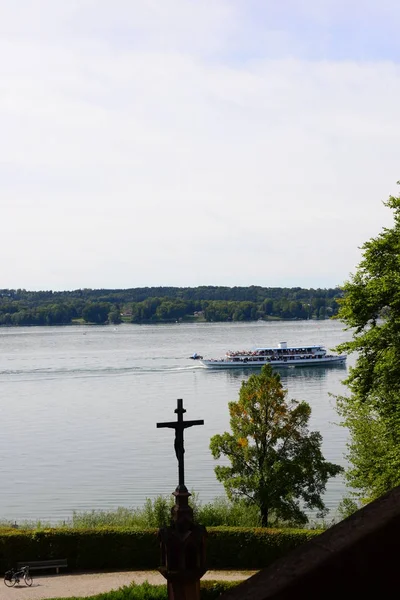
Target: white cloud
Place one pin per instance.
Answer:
(146, 161)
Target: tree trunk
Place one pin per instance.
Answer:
(264, 510)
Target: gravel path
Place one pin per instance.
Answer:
(89, 584)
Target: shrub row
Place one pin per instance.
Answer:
(209, 590)
(104, 549)
(242, 548)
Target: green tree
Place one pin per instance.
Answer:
(114, 316)
(276, 463)
(371, 307)
(95, 312)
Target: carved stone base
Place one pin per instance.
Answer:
(182, 550)
(178, 590)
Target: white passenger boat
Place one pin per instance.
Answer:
(281, 356)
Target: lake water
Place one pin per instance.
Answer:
(80, 406)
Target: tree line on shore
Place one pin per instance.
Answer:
(165, 304)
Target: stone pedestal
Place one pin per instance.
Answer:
(183, 550)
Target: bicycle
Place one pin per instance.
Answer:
(12, 577)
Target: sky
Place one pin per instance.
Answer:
(186, 143)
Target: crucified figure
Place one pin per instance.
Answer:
(179, 425)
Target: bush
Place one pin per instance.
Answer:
(222, 512)
(107, 549)
(156, 512)
(98, 549)
(245, 548)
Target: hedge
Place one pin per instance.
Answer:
(107, 549)
(209, 590)
(251, 548)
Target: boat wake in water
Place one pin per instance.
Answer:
(55, 373)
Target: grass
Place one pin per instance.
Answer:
(145, 591)
(156, 513)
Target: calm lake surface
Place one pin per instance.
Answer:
(80, 406)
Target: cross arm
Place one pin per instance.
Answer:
(172, 424)
(180, 425)
(191, 423)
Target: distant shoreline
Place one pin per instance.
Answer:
(166, 305)
(166, 322)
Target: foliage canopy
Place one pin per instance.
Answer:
(371, 306)
(164, 304)
(275, 462)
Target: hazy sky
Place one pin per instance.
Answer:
(183, 142)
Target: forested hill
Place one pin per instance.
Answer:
(165, 304)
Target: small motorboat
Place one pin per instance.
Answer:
(196, 356)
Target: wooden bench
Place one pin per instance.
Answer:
(39, 565)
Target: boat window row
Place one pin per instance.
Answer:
(278, 352)
(274, 358)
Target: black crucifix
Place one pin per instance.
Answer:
(179, 425)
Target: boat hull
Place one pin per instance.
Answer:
(246, 364)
